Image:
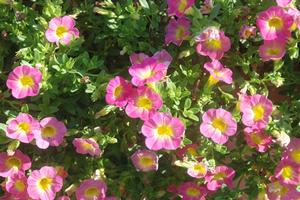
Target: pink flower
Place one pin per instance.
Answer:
(163, 131)
(178, 7)
(256, 110)
(247, 31)
(177, 31)
(145, 102)
(62, 30)
(213, 43)
(288, 172)
(118, 91)
(272, 50)
(11, 164)
(219, 176)
(52, 133)
(64, 198)
(147, 72)
(274, 23)
(218, 72)
(257, 138)
(207, 7)
(189, 150)
(218, 124)
(163, 57)
(283, 3)
(43, 184)
(17, 185)
(24, 81)
(197, 170)
(278, 191)
(192, 191)
(138, 58)
(23, 128)
(87, 146)
(295, 13)
(145, 160)
(91, 190)
(292, 151)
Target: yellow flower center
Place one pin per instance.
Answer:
(258, 111)
(295, 154)
(214, 44)
(13, 162)
(146, 161)
(179, 33)
(275, 22)
(212, 81)
(248, 33)
(26, 81)
(200, 168)
(44, 183)
(91, 192)
(19, 185)
(144, 102)
(24, 126)
(60, 31)
(193, 192)
(287, 172)
(256, 138)
(87, 146)
(219, 124)
(182, 6)
(273, 51)
(118, 91)
(219, 176)
(191, 151)
(49, 132)
(165, 130)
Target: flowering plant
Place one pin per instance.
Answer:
(149, 99)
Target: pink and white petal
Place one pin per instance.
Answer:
(153, 143)
(66, 39)
(51, 36)
(54, 23)
(68, 22)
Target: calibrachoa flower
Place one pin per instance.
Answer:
(207, 7)
(272, 50)
(257, 138)
(288, 172)
(213, 43)
(178, 7)
(43, 184)
(274, 23)
(177, 31)
(278, 191)
(23, 128)
(256, 110)
(197, 170)
(145, 102)
(11, 164)
(87, 146)
(24, 81)
(218, 72)
(118, 91)
(218, 124)
(17, 185)
(295, 13)
(219, 176)
(283, 3)
(189, 149)
(292, 151)
(247, 31)
(145, 160)
(52, 133)
(163, 131)
(91, 190)
(147, 72)
(62, 30)
(163, 57)
(192, 191)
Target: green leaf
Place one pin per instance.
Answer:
(278, 65)
(187, 103)
(144, 4)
